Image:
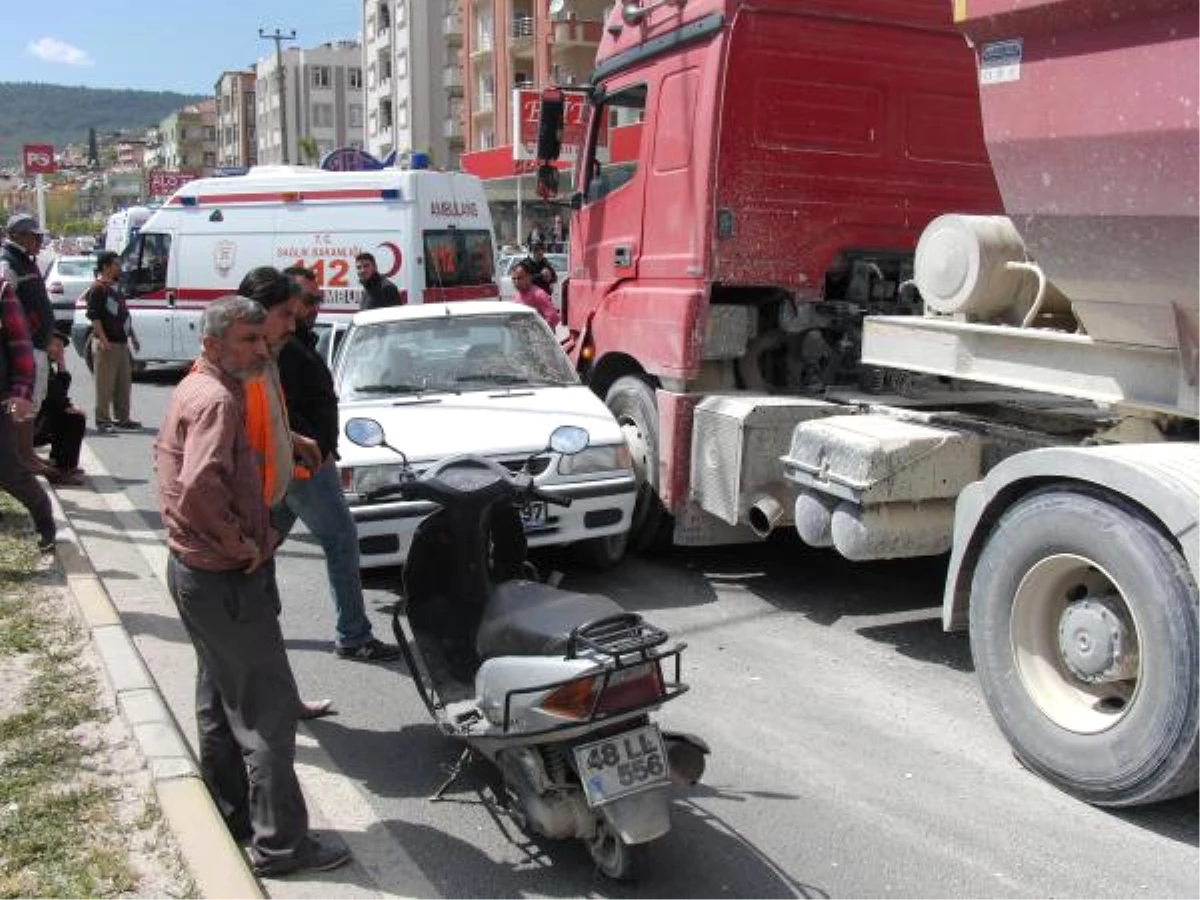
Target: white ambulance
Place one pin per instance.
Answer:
(430, 233)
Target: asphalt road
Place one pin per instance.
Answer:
(853, 754)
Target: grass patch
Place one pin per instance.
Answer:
(59, 832)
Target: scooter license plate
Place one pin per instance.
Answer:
(533, 515)
(622, 764)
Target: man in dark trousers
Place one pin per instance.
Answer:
(378, 292)
(317, 499)
(16, 388)
(19, 267)
(221, 546)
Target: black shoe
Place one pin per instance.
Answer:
(372, 651)
(47, 544)
(104, 427)
(315, 854)
(128, 425)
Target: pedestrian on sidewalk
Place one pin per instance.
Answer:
(533, 296)
(112, 334)
(317, 499)
(16, 390)
(19, 267)
(221, 541)
(59, 423)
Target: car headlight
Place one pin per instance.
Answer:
(363, 479)
(596, 459)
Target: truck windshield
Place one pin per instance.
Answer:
(457, 258)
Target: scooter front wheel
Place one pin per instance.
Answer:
(614, 857)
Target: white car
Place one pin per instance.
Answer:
(507, 291)
(68, 279)
(484, 377)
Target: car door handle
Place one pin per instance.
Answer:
(622, 256)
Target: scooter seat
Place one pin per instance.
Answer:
(527, 618)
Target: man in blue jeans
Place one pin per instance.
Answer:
(317, 499)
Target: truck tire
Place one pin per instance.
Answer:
(632, 403)
(1084, 636)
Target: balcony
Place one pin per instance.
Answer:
(452, 80)
(483, 42)
(452, 28)
(568, 30)
(485, 104)
(522, 26)
(452, 130)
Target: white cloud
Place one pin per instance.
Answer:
(55, 51)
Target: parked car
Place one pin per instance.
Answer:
(68, 278)
(557, 260)
(484, 377)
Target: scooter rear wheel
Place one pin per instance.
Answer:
(613, 857)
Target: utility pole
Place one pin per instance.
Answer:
(279, 37)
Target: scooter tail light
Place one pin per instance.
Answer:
(632, 688)
(573, 700)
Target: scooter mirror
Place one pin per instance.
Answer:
(365, 432)
(568, 439)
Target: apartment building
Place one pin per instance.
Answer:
(414, 78)
(323, 103)
(188, 139)
(236, 133)
(514, 44)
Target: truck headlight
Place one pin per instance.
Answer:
(603, 458)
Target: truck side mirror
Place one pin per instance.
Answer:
(547, 181)
(550, 125)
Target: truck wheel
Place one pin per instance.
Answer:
(1083, 632)
(635, 409)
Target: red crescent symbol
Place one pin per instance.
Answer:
(397, 258)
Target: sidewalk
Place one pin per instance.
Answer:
(216, 863)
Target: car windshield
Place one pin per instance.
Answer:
(76, 268)
(451, 354)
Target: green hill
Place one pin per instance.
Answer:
(54, 114)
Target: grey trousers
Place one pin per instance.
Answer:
(246, 703)
(17, 480)
(113, 372)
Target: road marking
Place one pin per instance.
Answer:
(336, 802)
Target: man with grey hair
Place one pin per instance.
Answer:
(221, 543)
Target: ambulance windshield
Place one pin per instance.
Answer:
(458, 258)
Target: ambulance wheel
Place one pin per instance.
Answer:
(632, 403)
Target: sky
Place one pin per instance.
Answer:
(168, 45)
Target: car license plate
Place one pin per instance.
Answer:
(533, 514)
(622, 764)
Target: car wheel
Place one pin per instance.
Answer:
(632, 403)
(601, 553)
(1084, 636)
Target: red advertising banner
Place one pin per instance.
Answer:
(163, 183)
(38, 159)
(525, 104)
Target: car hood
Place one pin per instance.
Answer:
(492, 423)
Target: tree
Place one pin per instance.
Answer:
(309, 151)
(93, 150)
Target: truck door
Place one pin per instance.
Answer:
(609, 220)
(144, 268)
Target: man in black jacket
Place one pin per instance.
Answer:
(317, 499)
(18, 266)
(378, 292)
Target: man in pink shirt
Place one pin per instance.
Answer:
(532, 295)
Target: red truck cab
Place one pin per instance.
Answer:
(767, 171)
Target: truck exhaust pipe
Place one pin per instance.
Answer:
(765, 513)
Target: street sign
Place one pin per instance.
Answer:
(163, 182)
(38, 159)
(525, 106)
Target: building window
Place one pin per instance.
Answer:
(322, 115)
(321, 77)
(355, 115)
(402, 64)
(356, 79)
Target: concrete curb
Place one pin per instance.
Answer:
(216, 863)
